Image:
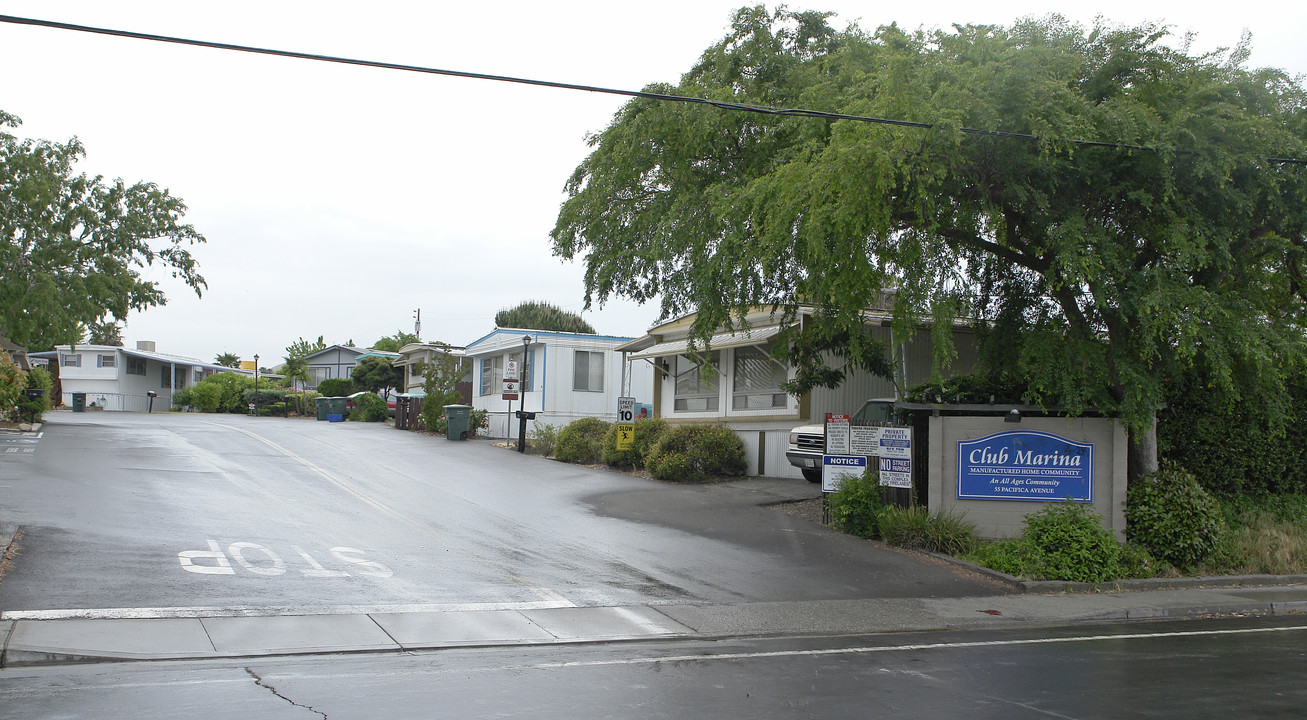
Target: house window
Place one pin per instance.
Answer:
(588, 371)
(317, 375)
(135, 366)
(165, 376)
(492, 375)
(71, 360)
(106, 361)
(696, 383)
(758, 379)
(181, 377)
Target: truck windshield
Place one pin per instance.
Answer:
(877, 411)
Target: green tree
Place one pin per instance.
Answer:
(535, 315)
(440, 375)
(105, 332)
(394, 342)
(71, 246)
(1105, 207)
(305, 348)
(227, 359)
(13, 385)
(376, 374)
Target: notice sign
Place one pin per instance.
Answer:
(625, 423)
(837, 434)
(877, 441)
(1025, 466)
(510, 390)
(895, 472)
(834, 468)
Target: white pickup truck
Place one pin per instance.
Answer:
(808, 442)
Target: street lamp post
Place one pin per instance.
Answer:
(256, 385)
(521, 413)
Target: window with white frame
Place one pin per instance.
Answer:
(135, 366)
(757, 379)
(71, 360)
(697, 388)
(106, 361)
(165, 376)
(588, 371)
(317, 375)
(492, 375)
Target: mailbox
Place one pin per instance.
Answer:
(35, 393)
(524, 415)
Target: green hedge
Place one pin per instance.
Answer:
(648, 432)
(582, 441)
(691, 453)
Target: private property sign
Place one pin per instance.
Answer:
(1024, 465)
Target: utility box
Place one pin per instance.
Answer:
(458, 420)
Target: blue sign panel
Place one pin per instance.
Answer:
(835, 467)
(1025, 466)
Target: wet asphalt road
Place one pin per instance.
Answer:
(1233, 668)
(168, 512)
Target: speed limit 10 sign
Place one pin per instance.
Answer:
(625, 409)
(625, 423)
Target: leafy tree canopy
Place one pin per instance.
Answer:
(394, 342)
(375, 374)
(440, 376)
(537, 315)
(105, 333)
(71, 246)
(1096, 272)
(227, 359)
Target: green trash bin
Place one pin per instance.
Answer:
(458, 419)
(322, 407)
(79, 402)
(336, 409)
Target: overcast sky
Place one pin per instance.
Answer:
(338, 200)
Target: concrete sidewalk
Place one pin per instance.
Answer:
(42, 642)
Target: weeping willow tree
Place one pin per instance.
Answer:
(1110, 209)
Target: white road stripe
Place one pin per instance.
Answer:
(908, 648)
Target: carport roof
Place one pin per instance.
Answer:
(720, 341)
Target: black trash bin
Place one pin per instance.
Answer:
(79, 402)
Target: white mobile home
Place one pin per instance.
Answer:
(566, 376)
(115, 378)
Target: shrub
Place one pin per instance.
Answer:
(433, 410)
(582, 441)
(477, 420)
(336, 387)
(543, 437)
(1169, 513)
(1070, 543)
(856, 507)
(13, 381)
(1017, 557)
(647, 434)
(38, 378)
(369, 408)
(690, 453)
(918, 529)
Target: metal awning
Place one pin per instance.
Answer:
(721, 341)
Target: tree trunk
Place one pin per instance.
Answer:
(1142, 457)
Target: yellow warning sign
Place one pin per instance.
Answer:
(625, 436)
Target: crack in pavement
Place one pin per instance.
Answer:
(259, 681)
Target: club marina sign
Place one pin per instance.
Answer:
(1024, 465)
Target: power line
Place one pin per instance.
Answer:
(742, 107)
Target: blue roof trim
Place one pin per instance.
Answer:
(545, 334)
